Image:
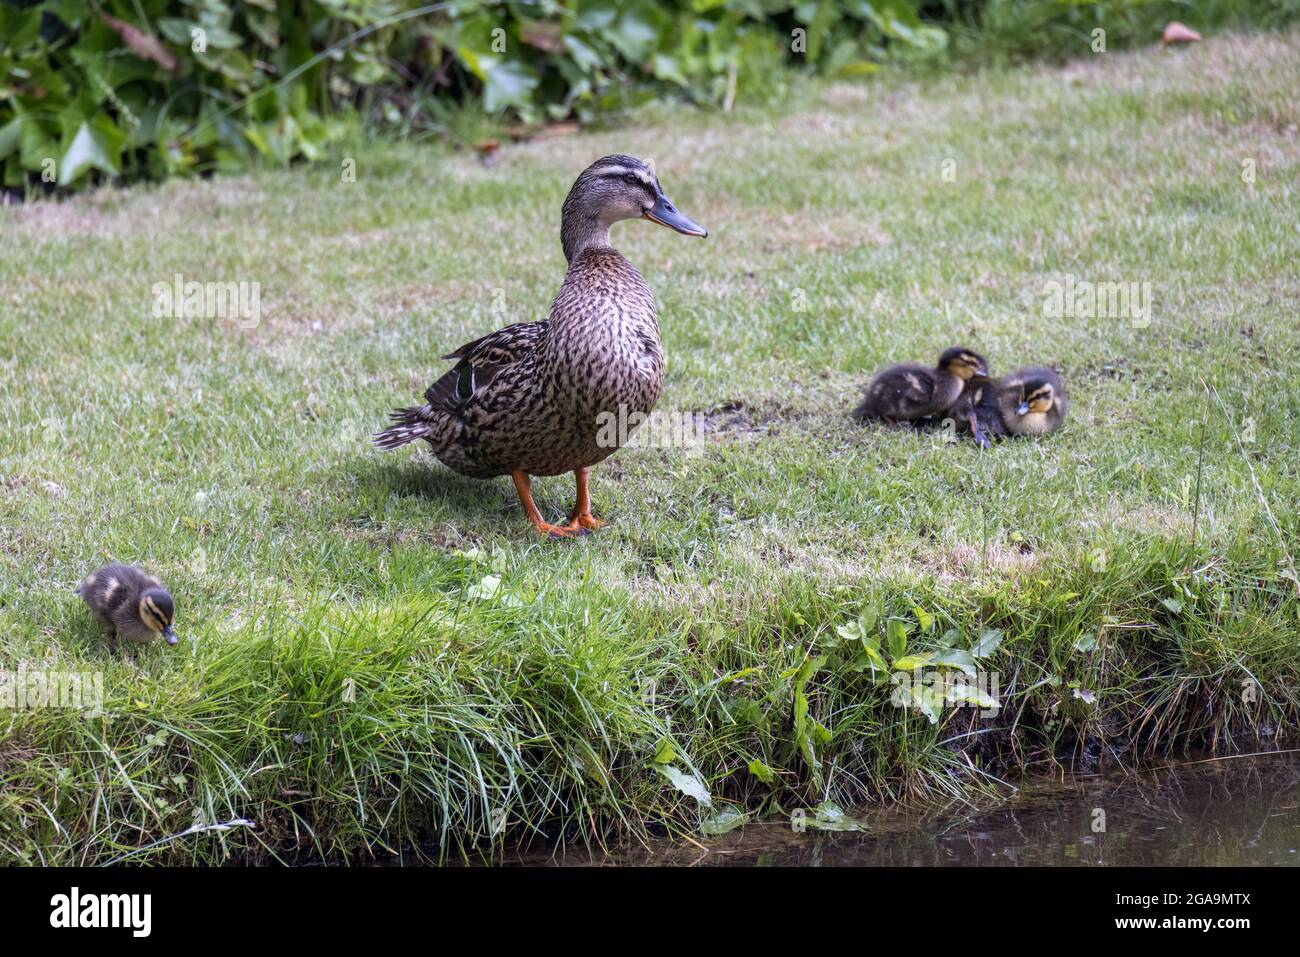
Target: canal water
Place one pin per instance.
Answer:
(1209, 812)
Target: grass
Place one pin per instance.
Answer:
(376, 652)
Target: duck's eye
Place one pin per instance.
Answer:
(632, 178)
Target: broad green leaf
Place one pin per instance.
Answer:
(896, 638)
(955, 658)
(9, 136)
(665, 753)
(962, 692)
(762, 771)
(831, 817)
(989, 640)
(912, 662)
(688, 784)
(486, 587)
(508, 84)
(723, 820)
(929, 701)
(583, 55)
(97, 144)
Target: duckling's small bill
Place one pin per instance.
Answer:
(130, 603)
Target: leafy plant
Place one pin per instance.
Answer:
(895, 665)
(157, 88)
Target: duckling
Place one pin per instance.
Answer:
(977, 410)
(535, 398)
(130, 603)
(911, 391)
(1032, 401)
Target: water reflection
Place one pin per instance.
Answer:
(1241, 811)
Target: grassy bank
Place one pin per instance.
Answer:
(375, 649)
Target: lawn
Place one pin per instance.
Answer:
(376, 652)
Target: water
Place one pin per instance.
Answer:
(1239, 811)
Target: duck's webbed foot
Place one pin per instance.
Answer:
(524, 486)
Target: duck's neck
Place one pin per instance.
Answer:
(579, 231)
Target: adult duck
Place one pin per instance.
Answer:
(538, 398)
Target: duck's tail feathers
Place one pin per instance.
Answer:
(412, 424)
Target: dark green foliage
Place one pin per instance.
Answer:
(128, 88)
(165, 87)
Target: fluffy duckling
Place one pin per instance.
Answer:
(977, 410)
(911, 391)
(130, 603)
(1032, 401)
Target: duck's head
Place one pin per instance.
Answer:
(963, 362)
(1036, 395)
(157, 610)
(615, 188)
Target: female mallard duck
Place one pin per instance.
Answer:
(130, 603)
(1032, 401)
(977, 410)
(911, 391)
(535, 398)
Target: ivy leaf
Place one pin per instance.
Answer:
(97, 144)
(508, 84)
(583, 55)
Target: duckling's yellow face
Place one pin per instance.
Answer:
(1037, 399)
(963, 363)
(157, 611)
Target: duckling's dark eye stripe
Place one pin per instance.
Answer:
(154, 610)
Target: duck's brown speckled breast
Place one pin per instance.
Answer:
(600, 354)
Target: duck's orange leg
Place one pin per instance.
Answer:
(581, 516)
(524, 486)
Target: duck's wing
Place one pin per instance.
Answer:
(481, 361)
(441, 417)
